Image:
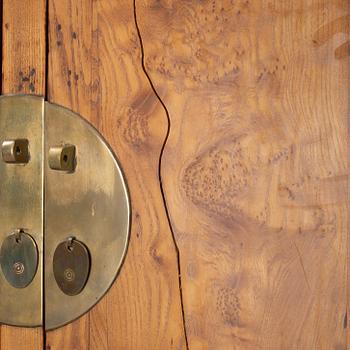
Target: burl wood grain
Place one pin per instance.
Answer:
(255, 169)
(23, 71)
(95, 69)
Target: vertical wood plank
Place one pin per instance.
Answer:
(24, 47)
(13, 338)
(23, 71)
(70, 85)
(95, 69)
(255, 169)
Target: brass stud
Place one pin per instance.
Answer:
(62, 158)
(15, 151)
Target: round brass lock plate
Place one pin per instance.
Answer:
(69, 184)
(19, 259)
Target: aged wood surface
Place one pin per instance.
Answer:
(23, 71)
(95, 69)
(255, 169)
(24, 46)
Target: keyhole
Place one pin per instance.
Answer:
(65, 158)
(70, 244)
(19, 236)
(18, 150)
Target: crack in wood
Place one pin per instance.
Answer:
(160, 167)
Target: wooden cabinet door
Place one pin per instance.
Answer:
(231, 122)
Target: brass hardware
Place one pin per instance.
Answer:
(71, 266)
(19, 259)
(91, 203)
(89, 200)
(21, 204)
(15, 151)
(62, 158)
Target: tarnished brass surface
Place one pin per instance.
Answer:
(90, 204)
(62, 158)
(15, 151)
(71, 266)
(88, 201)
(21, 203)
(19, 259)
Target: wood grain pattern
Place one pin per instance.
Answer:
(23, 71)
(13, 338)
(95, 69)
(24, 46)
(255, 169)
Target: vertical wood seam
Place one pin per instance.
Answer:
(345, 319)
(1, 52)
(46, 50)
(159, 170)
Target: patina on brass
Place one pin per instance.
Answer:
(90, 204)
(62, 158)
(15, 151)
(19, 259)
(21, 203)
(88, 200)
(71, 266)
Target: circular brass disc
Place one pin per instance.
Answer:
(89, 202)
(71, 186)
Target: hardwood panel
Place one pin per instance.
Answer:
(95, 69)
(69, 84)
(13, 338)
(23, 71)
(255, 169)
(24, 46)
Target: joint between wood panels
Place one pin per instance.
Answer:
(159, 169)
(1, 55)
(47, 42)
(1, 47)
